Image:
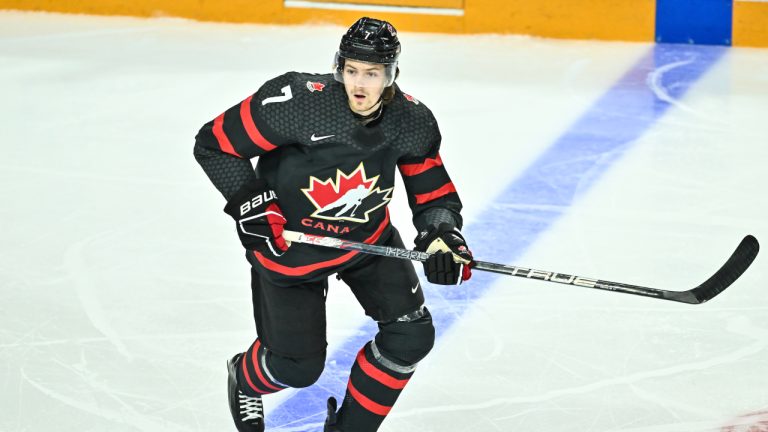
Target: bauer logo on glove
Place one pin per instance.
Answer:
(259, 219)
(257, 201)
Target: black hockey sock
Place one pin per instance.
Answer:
(372, 390)
(253, 375)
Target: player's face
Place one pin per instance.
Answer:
(364, 83)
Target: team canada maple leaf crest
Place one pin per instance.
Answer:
(411, 98)
(315, 86)
(349, 197)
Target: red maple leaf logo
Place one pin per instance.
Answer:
(324, 193)
(342, 199)
(315, 86)
(411, 98)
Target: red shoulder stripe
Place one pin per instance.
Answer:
(250, 126)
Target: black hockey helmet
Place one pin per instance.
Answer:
(372, 41)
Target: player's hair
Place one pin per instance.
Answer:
(389, 92)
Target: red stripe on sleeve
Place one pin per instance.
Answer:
(413, 169)
(221, 137)
(435, 194)
(309, 268)
(250, 126)
(379, 375)
(368, 404)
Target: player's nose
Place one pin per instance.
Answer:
(360, 82)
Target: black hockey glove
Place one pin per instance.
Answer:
(451, 260)
(259, 218)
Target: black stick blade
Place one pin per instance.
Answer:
(736, 265)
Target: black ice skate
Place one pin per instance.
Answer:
(247, 411)
(330, 420)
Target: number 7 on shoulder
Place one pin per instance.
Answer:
(287, 95)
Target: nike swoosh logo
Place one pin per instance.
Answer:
(416, 288)
(318, 138)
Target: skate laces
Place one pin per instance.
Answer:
(250, 407)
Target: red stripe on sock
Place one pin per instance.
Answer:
(256, 366)
(367, 403)
(379, 375)
(248, 376)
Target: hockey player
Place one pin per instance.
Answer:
(327, 148)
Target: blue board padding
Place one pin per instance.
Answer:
(529, 205)
(704, 22)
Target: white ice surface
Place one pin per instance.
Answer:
(123, 288)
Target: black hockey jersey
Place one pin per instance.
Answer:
(333, 175)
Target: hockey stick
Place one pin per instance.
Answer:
(736, 265)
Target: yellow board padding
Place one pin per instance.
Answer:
(439, 4)
(750, 24)
(583, 19)
(632, 20)
(204, 10)
(239, 11)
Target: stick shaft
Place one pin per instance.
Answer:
(739, 261)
